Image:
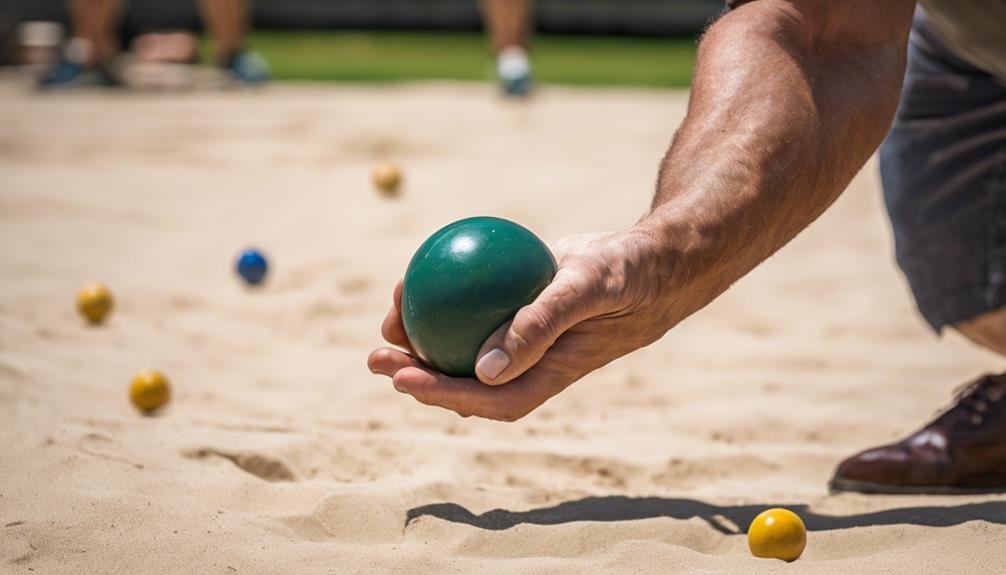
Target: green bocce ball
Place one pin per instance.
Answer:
(465, 281)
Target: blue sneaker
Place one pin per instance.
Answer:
(61, 74)
(249, 68)
(517, 87)
(513, 67)
(70, 70)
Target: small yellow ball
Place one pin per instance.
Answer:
(777, 534)
(387, 178)
(149, 390)
(94, 302)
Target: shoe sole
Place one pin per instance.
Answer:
(870, 488)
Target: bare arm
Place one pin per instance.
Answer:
(789, 100)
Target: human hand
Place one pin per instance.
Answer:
(608, 298)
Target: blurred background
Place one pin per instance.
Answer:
(579, 42)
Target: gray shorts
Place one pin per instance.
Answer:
(943, 166)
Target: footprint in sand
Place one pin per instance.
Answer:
(261, 466)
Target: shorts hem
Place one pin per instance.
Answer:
(969, 304)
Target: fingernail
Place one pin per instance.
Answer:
(493, 363)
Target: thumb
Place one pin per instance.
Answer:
(519, 344)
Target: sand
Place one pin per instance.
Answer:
(281, 453)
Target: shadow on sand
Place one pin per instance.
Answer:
(727, 519)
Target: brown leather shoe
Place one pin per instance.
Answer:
(962, 451)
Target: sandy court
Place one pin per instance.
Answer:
(282, 453)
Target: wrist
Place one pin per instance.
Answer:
(684, 262)
(674, 242)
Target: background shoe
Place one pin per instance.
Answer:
(248, 68)
(70, 70)
(513, 67)
(68, 74)
(61, 74)
(962, 451)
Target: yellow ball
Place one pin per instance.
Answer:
(777, 534)
(94, 302)
(387, 178)
(149, 390)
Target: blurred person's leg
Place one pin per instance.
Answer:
(95, 22)
(93, 45)
(508, 22)
(509, 27)
(227, 22)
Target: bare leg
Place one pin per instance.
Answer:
(94, 21)
(508, 22)
(227, 21)
(987, 330)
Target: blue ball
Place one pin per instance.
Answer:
(252, 266)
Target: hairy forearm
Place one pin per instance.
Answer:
(785, 108)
